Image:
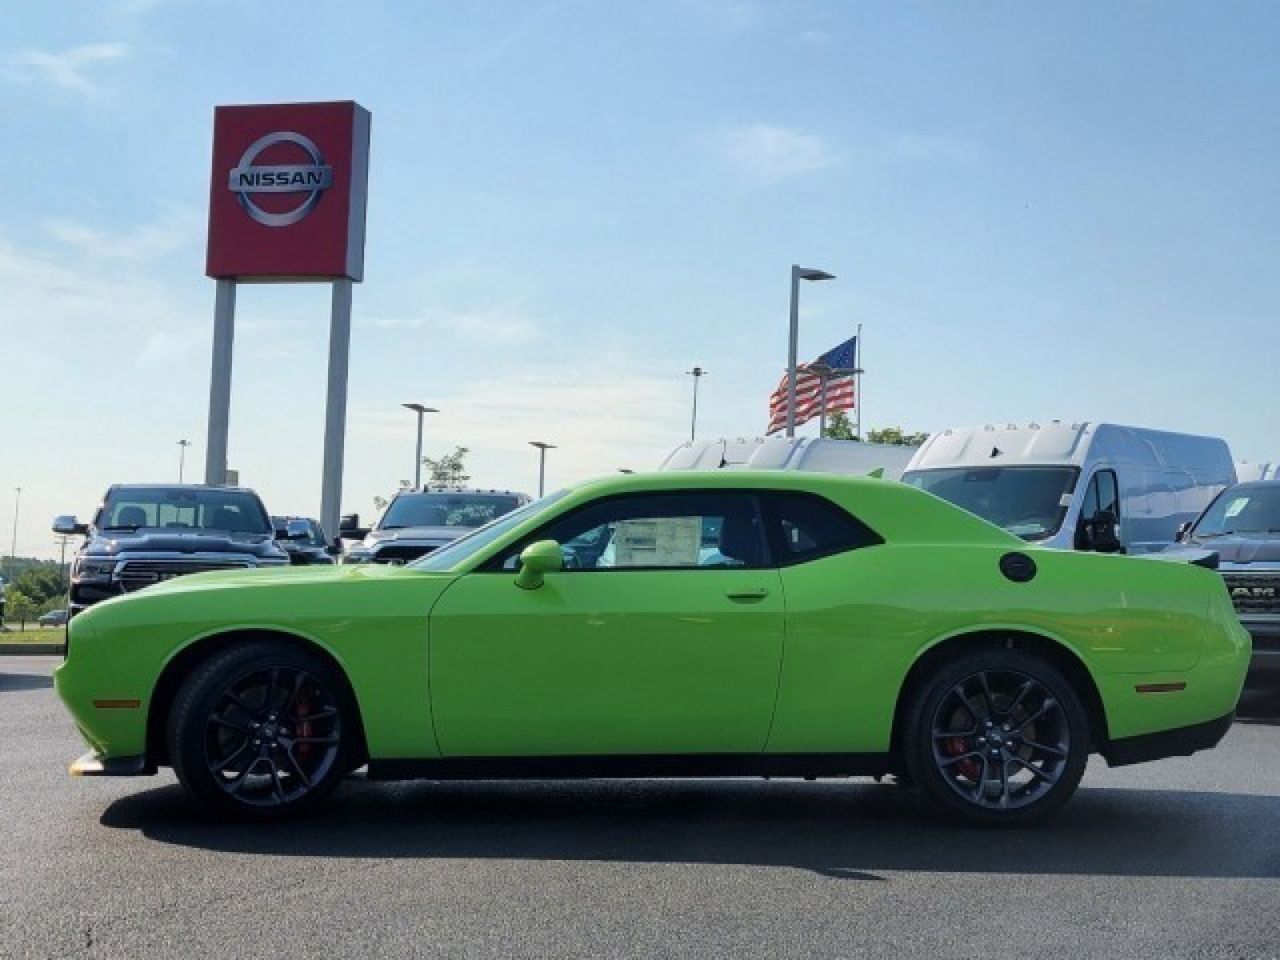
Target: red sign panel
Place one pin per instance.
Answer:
(287, 197)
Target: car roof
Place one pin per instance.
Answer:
(895, 510)
(178, 486)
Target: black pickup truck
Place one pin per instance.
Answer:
(145, 533)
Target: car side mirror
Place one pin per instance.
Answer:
(1184, 528)
(349, 527)
(1102, 532)
(66, 526)
(537, 560)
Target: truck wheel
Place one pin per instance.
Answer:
(997, 736)
(261, 730)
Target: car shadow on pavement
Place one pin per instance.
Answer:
(854, 831)
(24, 681)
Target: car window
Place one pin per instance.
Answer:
(805, 527)
(1108, 492)
(183, 508)
(693, 530)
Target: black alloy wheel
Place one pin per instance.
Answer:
(998, 736)
(261, 730)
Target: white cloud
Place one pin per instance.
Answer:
(175, 228)
(600, 413)
(68, 69)
(763, 154)
(503, 325)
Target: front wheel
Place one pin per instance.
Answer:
(261, 730)
(997, 736)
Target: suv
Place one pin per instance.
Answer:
(418, 521)
(1242, 526)
(145, 533)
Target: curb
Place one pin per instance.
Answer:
(32, 648)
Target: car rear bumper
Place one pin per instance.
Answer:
(1178, 742)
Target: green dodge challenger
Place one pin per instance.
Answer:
(697, 624)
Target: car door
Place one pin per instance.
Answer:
(663, 635)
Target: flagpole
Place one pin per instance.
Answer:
(857, 383)
(824, 371)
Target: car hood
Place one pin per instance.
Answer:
(112, 543)
(1242, 548)
(283, 576)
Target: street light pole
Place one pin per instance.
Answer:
(798, 273)
(13, 544)
(417, 459)
(182, 456)
(542, 463)
(697, 373)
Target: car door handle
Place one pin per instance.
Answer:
(749, 593)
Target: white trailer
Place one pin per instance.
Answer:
(816, 455)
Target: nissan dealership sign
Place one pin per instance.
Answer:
(287, 194)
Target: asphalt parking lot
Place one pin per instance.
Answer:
(1175, 859)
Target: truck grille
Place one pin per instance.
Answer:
(1254, 592)
(400, 554)
(136, 574)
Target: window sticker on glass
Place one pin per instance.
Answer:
(1235, 507)
(660, 542)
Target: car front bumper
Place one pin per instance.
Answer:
(94, 764)
(1264, 665)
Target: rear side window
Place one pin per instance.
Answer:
(805, 527)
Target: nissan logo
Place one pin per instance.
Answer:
(311, 179)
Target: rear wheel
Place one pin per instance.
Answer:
(261, 730)
(998, 736)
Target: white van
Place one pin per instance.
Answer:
(1081, 486)
(819, 455)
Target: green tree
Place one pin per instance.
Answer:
(20, 607)
(894, 435)
(41, 583)
(448, 470)
(839, 427)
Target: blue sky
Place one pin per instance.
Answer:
(1036, 211)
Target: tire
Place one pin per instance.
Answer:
(1019, 737)
(262, 730)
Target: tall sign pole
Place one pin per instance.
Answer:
(224, 334)
(335, 410)
(287, 204)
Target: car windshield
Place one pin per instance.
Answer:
(464, 548)
(1029, 502)
(1243, 509)
(446, 509)
(183, 508)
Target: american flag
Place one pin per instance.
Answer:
(840, 387)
